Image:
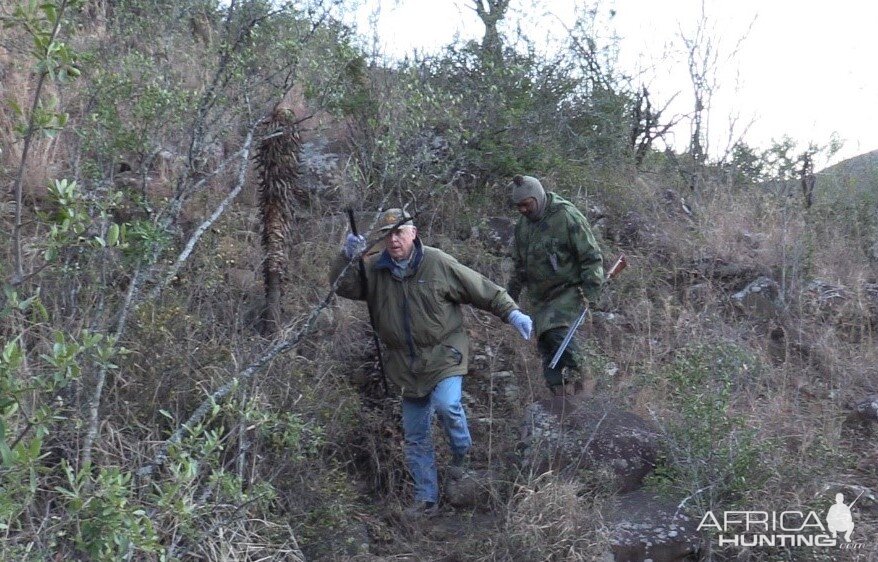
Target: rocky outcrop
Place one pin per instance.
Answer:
(823, 296)
(643, 526)
(568, 435)
(496, 233)
(759, 298)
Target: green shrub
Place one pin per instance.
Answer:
(712, 456)
(105, 523)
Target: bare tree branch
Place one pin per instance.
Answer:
(134, 290)
(203, 227)
(285, 343)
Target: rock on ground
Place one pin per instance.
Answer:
(567, 436)
(644, 526)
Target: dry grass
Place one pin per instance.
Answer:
(45, 154)
(549, 519)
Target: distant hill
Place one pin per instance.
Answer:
(858, 171)
(854, 174)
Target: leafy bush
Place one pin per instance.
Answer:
(713, 454)
(106, 525)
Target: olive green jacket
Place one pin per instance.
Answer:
(554, 258)
(418, 318)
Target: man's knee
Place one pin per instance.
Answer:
(446, 396)
(448, 406)
(418, 445)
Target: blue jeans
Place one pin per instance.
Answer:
(417, 424)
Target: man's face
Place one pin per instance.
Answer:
(527, 207)
(399, 242)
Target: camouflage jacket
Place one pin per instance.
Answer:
(419, 318)
(553, 258)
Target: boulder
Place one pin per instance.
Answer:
(476, 489)
(866, 409)
(570, 434)
(643, 526)
(759, 298)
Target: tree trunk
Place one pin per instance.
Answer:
(278, 162)
(273, 267)
(491, 12)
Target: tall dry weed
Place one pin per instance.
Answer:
(549, 519)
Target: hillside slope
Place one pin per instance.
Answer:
(148, 410)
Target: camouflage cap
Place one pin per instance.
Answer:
(393, 218)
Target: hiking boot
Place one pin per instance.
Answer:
(459, 466)
(567, 389)
(421, 510)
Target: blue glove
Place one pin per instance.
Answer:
(353, 246)
(522, 323)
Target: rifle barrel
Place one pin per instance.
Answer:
(617, 267)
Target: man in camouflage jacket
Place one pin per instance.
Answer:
(558, 261)
(415, 293)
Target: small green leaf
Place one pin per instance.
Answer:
(34, 447)
(51, 12)
(41, 310)
(13, 105)
(113, 235)
(6, 453)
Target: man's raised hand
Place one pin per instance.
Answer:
(353, 245)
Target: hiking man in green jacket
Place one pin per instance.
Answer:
(558, 261)
(415, 293)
